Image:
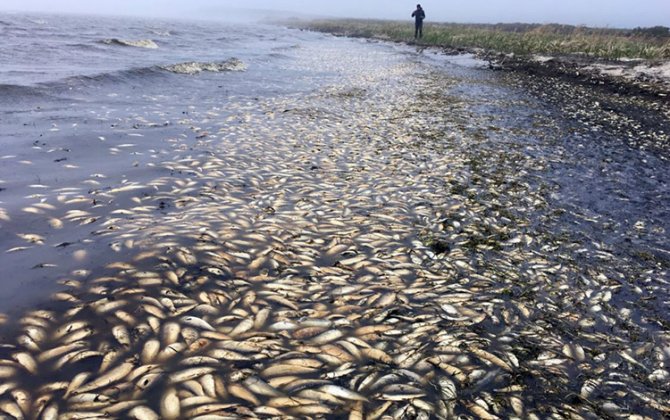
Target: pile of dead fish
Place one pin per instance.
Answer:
(343, 267)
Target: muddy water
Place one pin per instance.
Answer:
(413, 238)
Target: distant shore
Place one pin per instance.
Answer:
(627, 61)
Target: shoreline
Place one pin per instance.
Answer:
(626, 76)
(630, 76)
(639, 76)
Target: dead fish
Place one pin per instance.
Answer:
(342, 393)
(114, 375)
(143, 413)
(378, 355)
(484, 355)
(197, 323)
(171, 331)
(574, 351)
(169, 405)
(58, 351)
(260, 387)
(244, 326)
(285, 369)
(188, 374)
(327, 337)
(27, 361)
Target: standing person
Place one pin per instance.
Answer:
(419, 15)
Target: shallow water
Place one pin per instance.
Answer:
(344, 227)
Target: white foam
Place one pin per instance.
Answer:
(140, 43)
(194, 67)
(161, 33)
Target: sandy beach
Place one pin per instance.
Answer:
(412, 236)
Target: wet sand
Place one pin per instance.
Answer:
(408, 243)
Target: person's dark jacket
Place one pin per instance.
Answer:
(419, 15)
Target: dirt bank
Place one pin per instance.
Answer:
(628, 76)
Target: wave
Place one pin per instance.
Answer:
(12, 91)
(13, 95)
(194, 67)
(85, 46)
(287, 47)
(140, 43)
(63, 88)
(278, 56)
(127, 76)
(161, 32)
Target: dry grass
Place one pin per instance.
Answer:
(508, 38)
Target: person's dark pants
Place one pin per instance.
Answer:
(418, 29)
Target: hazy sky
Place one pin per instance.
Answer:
(613, 13)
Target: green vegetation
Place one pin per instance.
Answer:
(522, 39)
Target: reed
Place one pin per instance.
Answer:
(522, 39)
